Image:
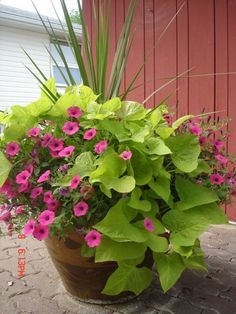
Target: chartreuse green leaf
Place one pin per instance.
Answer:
(192, 194)
(186, 226)
(115, 128)
(111, 165)
(111, 105)
(123, 184)
(185, 151)
(131, 110)
(128, 278)
(110, 250)
(137, 203)
(180, 121)
(155, 117)
(5, 168)
(142, 167)
(202, 167)
(170, 268)
(84, 166)
(156, 243)
(161, 186)
(137, 130)
(155, 145)
(164, 131)
(117, 226)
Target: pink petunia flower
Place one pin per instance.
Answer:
(29, 168)
(90, 134)
(202, 140)
(44, 177)
(67, 151)
(36, 192)
(70, 128)
(93, 238)
(74, 112)
(46, 217)
(12, 149)
(6, 188)
(29, 227)
(5, 216)
(148, 225)
(100, 146)
(195, 129)
(54, 154)
(48, 197)
(22, 177)
(74, 182)
(223, 160)
(25, 187)
(63, 168)
(19, 209)
(80, 209)
(216, 179)
(53, 204)
(126, 155)
(46, 139)
(34, 132)
(56, 144)
(41, 232)
(218, 144)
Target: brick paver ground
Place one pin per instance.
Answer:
(41, 292)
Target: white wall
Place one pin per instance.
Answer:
(17, 85)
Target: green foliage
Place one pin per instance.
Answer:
(128, 278)
(185, 151)
(170, 268)
(5, 168)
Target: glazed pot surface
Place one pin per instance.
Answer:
(81, 276)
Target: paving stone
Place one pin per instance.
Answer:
(7, 307)
(182, 307)
(32, 302)
(68, 303)
(10, 286)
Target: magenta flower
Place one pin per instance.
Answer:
(44, 177)
(46, 139)
(12, 149)
(54, 154)
(5, 216)
(195, 129)
(218, 144)
(48, 197)
(41, 232)
(202, 140)
(22, 177)
(46, 217)
(63, 168)
(148, 225)
(74, 182)
(6, 188)
(223, 160)
(19, 209)
(29, 227)
(67, 151)
(70, 128)
(36, 192)
(90, 134)
(34, 132)
(53, 204)
(216, 179)
(56, 144)
(25, 187)
(29, 168)
(74, 112)
(126, 155)
(81, 209)
(93, 238)
(100, 146)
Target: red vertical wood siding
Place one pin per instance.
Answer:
(201, 38)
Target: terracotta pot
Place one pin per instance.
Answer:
(82, 277)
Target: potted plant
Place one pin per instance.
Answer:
(110, 186)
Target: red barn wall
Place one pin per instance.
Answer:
(202, 37)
